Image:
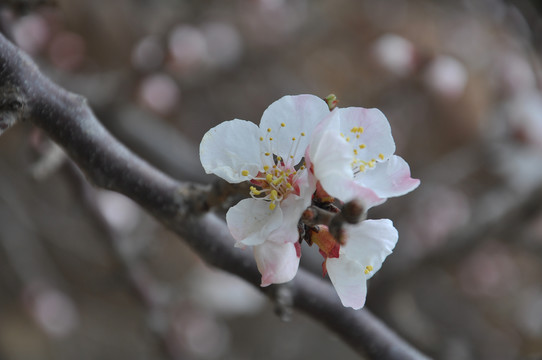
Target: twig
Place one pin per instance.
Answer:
(68, 120)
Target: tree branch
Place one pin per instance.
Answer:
(68, 120)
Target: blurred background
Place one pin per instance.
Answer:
(85, 274)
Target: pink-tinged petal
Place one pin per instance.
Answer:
(349, 281)
(369, 129)
(369, 243)
(388, 179)
(251, 221)
(299, 114)
(230, 148)
(278, 263)
(366, 195)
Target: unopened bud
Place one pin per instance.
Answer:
(331, 101)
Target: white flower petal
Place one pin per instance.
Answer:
(369, 243)
(278, 263)
(251, 221)
(349, 281)
(388, 179)
(230, 148)
(375, 138)
(307, 185)
(292, 208)
(299, 114)
(330, 157)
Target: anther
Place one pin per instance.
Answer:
(245, 172)
(268, 129)
(368, 269)
(381, 156)
(282, 124)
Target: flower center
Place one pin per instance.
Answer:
(279, 177)
(353, 138)
(275, 183)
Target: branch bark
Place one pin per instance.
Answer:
(26, 94)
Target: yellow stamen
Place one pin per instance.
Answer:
(272, 206)
(245, 172)
(274, 195)
(269, 130)
(302, 134)
(278, 181)
(255, 191)
(265, 167)
(282, 124)
(381, 156)
(368, 269)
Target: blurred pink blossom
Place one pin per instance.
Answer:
(31, 33)
(224, 44)
(147, 54)
(513, 74)
(67, 50)
(188, 47)
(160, 93)
(53, 310)
(446, 76)
(395, 54)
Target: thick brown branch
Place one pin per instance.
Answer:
(67, 119)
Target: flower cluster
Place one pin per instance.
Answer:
(302, 153)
